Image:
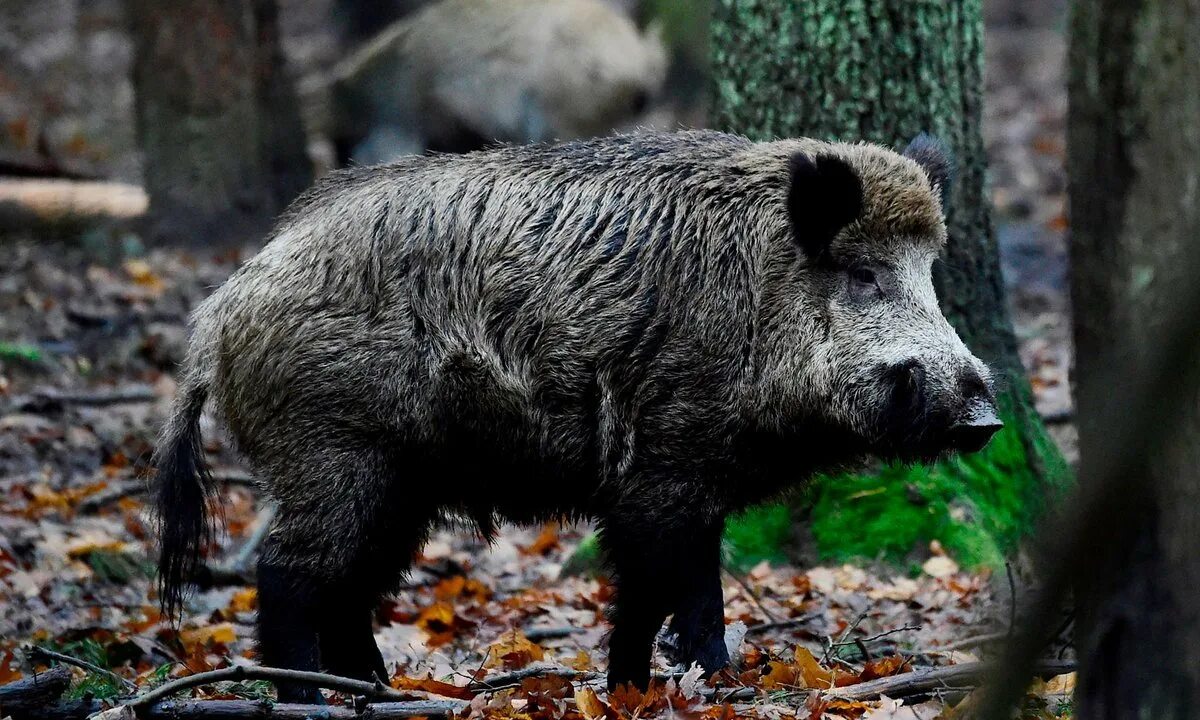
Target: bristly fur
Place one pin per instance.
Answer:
(624, 329)
(936, 159)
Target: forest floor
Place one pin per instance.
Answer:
(90, 331)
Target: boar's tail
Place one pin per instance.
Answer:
(183, 494)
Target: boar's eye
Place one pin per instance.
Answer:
(864, 283)
(864, 275)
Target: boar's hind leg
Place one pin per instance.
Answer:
(348, 646)
(288, 608)
(696, 633)
(660, 568)
(324, 567)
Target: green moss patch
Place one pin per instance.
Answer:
(978, 506)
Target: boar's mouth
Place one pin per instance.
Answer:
(916, 425)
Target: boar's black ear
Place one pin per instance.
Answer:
(936, 160)
(826, 195)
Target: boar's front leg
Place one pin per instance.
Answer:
(663, 564)
(696, 633)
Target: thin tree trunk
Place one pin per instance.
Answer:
(1134, 153)
(194, 76)
(884, 71)
(283, 137)
(218, 121)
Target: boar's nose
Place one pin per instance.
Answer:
(977, 422)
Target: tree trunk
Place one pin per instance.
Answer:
(884, 71)
(284, 140)
(1134, 161)
(218, 121)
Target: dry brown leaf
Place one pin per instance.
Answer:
(244, 600)
(546, 541)
(513, 651)
(222, 633)
(589, 704)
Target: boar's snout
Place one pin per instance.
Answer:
(928, 416)
(977, 422)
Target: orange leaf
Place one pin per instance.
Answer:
(545, 542)
(589, 704)
(222, 633)
(812, 675)
(429, 685)
(244, 600)
(884, 667)
(439, 621)
(459, 586)
(513, 651)
(780, 674)
(8, 670)
(582, 661)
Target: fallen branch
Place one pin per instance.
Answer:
(551, 633)
(275, 675)
(972, 642)
(510, 679)
(780, 625)
(749, 591)
(37, 652)
(260, 710)
(139, 486)
(873, 638)
(44, 401)
(923, 681)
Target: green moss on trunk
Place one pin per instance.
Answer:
(884, 71)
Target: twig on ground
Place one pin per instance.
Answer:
(497, 682)
(140, 486)
(921, 681)
(552, 633)
(830, 645)
(779, 625)
(754, 598)
(50, 400)
(261, 710)
(873, 638)
(38, 652)
(243, 561)
(239, 672)
(972, 642)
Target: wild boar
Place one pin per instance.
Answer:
(461, 74)
(651, 331)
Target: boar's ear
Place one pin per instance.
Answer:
(825, 196)
(936, 160)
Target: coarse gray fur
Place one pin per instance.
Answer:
(625, 329)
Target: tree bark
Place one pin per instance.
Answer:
(217, 117)
(884, 71)
(1134, 162)
(283, 137)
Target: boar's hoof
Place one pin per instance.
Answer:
(710, 653)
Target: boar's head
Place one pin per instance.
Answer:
(860, 343)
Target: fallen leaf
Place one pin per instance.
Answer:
(440, 622)
(513, 651)
(546, 541)
(884, 667)
(429, 685)
(589, 705)
(244, 600)
(222, 633)
(940, 566)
